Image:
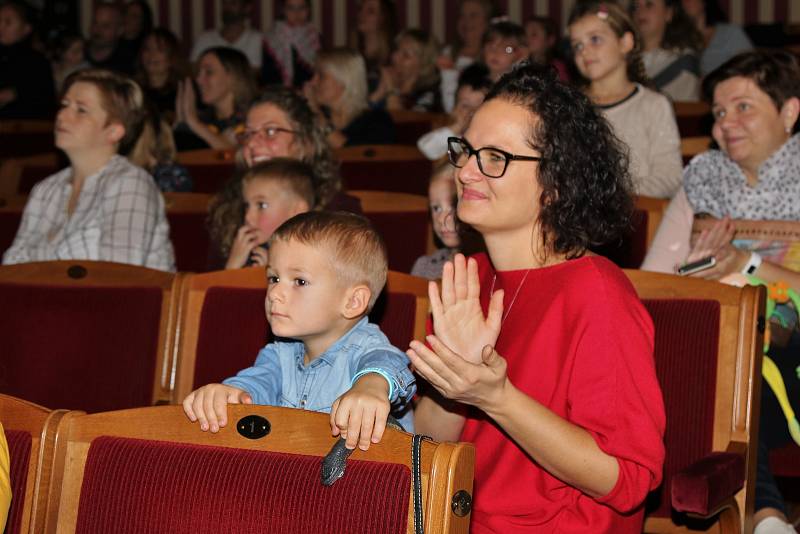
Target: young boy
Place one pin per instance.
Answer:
(325, 272)
(273, 191)
(504, 44)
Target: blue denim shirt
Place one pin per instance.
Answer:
(279, 376)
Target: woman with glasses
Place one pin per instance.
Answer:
(542, 354)
(279, 124)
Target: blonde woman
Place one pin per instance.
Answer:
(412, 79)
(338, 92)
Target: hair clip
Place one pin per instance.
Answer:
(602, 12)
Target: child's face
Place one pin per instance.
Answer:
(155, 58)
(597, 49)
(467, 101)
(268, 204)
(500, 54)
(305, 297)
(296, 12)
(12, 28)
(73, 55)
(441, 195)
(538, 40)
(82, 122)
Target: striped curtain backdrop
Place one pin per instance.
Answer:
(188, 18)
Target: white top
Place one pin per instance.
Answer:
(434, 143)
(119, 217)
(646, 123)
(249, 43)
(685, 87)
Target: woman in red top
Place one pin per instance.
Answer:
(543, 354)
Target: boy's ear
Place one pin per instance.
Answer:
(356, 302)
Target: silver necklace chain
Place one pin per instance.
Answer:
(513, 299)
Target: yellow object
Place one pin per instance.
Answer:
(772, 375)
(5, 480)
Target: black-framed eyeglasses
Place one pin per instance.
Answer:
(492, 162)
(270, 132)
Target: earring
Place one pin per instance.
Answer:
(788, 129)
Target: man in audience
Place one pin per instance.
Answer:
(234, 33)
(105, 49)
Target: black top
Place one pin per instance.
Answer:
(372, 127)
(27, 72)
(271, 70)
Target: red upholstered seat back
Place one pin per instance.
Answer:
(19, 451)
(386, 175)
(210, 177)
(405, 234)
(86, 348)
(630, 253)
(686, 345)
(190, 239)
(395, 313)
(134, 486)
(233, 328)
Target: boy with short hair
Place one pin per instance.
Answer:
(325, 273)
(504, 44)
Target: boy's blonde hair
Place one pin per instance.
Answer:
(357, 252)
(297, 177)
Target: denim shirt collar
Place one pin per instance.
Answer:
(334, 351)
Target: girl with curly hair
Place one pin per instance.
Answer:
(608, 54)
(542, 353)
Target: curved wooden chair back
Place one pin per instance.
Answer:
(411, 125)
(692, 146)
(30, 431)
(708, 345)
(86, 335)
(693, 118)
(150, 469)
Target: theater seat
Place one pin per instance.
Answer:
(209, 168)
(708, 362)
(187, 214)
(397, 168)
(151, 470)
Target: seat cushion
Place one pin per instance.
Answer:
(705, 485)
(134, 486)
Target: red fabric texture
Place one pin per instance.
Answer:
(785, 461)
(394, 313)
(687, 333)
(578, 340)
(702, 487)
(209, 178)
(630, 252)
(233, 328)
(405, 234)
(398, 176)
(19, 453)
(84, 348)
(190, 239)
(133, 486)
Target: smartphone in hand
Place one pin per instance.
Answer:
(696, 266)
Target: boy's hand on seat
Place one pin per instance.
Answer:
(209, 405)
(360, 414)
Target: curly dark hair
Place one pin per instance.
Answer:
(586, 198)
(226, 212)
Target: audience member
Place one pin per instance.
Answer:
(272, 192)
(160, 69)
(721, 40)
(472, 23)
(473, 84)
(155, 152)
(325, 273)
(227, 86)
(291, 46)
(442, 201)
(101, 207)
(608, 54)
(504, 44)
(671, 45)
(754, 175)
(105, 49)
(280, 124)
(542, 36)
(376, 26)
(234, 33)
(338, 92)
(26, 78)
(137, 23)
(68, 55)
(542, 353)
(412, 80)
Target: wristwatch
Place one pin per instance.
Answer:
(752, 263)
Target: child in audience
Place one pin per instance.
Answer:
(325, 272)
(272, 191)
(542, 36)
(607, 53)
(442, 198)
(504, 45)
(473, 84)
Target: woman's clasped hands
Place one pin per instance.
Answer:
(461, 362)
